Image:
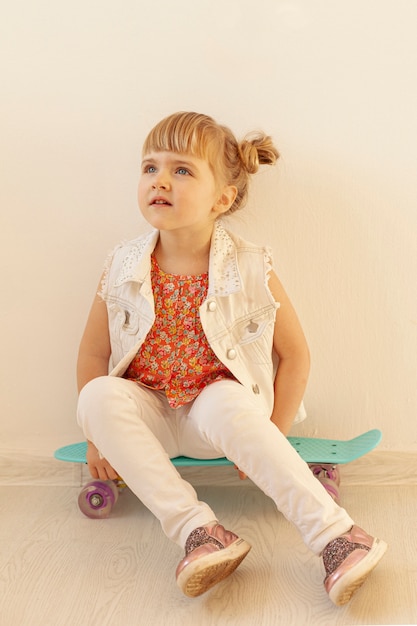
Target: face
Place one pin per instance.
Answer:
(179, 192)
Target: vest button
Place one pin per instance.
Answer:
(255, 389)
(231, 354)
(212, 306)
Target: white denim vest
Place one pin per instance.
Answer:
(237, 316)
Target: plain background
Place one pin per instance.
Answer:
(334, 83)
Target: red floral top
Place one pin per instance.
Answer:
(176, 355)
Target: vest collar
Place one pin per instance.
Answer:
(224, 276)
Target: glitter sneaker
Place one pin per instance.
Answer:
(329, 476)
(211, 554)
(348, 560)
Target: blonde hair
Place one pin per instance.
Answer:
(200, 135)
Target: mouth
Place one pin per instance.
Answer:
(160, 201)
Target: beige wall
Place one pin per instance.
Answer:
(333, 82)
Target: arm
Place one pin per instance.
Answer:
(93, 361)
(294, 360)
(94, 351)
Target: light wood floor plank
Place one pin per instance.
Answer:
(59, 568)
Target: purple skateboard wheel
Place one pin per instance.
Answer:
(97, 498)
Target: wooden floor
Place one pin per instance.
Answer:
(60, 568)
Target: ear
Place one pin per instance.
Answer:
(227, 197)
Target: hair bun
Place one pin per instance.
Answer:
(257, 149)
(249, 156)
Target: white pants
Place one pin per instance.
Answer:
(137, 432)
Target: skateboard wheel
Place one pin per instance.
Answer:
(97, 498)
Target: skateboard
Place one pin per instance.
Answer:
(98, 497)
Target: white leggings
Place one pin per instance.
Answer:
(137, 432)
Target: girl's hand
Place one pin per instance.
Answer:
(99, 467)
(242, 475)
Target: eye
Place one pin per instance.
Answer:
(148, 168)
(183, 171)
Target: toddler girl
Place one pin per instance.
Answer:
(207, 359)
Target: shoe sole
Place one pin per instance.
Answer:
(345, 587)
(200, 575)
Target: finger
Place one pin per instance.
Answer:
(242, 475)
(98, 470)
(102, 473)
(111, 473)
(106, 471)
(93, 470)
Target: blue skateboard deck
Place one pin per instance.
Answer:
(310, 449)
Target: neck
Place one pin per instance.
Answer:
(185, 254)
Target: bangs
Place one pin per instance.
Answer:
(183, 133)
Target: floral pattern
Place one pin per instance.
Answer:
(176, 355)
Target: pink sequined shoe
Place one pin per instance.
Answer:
(329, 476)
(348, 560)
(211, 554)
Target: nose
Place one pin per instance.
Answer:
(161, 181)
